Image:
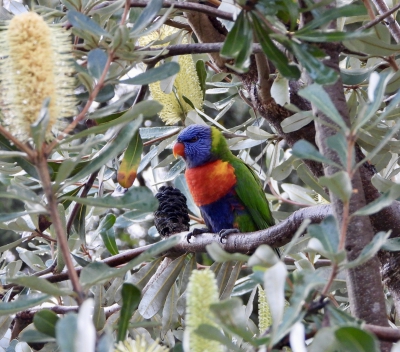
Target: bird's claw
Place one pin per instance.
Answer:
(195, 232)
(224, 233)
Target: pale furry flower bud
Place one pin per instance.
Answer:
(202, 291)
(37, 64)
(139, 345)
(186, 83)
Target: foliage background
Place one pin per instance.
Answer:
(308, 88)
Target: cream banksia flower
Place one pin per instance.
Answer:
(37, 64)
(202, 291)
(186, 83)
(139, 345)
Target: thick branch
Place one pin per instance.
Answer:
(275, 236)
(364, 282)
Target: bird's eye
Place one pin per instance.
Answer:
(194, 139)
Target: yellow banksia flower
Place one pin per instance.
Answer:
(264, 313)
(202, 291)
(139, 345)
(37, 65)
(186, 83)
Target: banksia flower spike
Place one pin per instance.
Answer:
(37, 64)
(139, 345)
(186, 83)
(264, 313)
(202, 291)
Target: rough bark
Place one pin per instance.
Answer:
(364, 283)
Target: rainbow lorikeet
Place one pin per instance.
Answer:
(227, 191)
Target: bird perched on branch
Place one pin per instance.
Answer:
(227, 191)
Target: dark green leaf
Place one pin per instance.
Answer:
(356, 340)
(136, 198)
(338, 183)
(332, 14)
(272, 52)
(202, 75)
(107, 233)
(130, 300)
(45, 321)
(318, 96)
(156, 74)
(97, 60)
(22, 303)
(154, 298)
(66, 331)
(147, 16)
(80, 21)
(321, 36)
(318, 71)
(110, 151)
(305, 150)
(40, 284)
(130, 162)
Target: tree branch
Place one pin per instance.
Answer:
(390, 22)
(189, 6)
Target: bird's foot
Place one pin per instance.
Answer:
(196, 232)
(223, 234)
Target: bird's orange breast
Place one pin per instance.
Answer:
(208, 183)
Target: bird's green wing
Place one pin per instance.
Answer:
(250, 191)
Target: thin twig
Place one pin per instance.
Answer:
(379, 18)
(42, 168)
(82, 114)
(391, 23)
(21, 146)
(85, 191)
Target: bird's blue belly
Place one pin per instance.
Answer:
(222, 214)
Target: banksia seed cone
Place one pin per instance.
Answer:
(37, 65)
(172, 213)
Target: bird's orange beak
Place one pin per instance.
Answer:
(179, 149)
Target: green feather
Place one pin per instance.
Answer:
(248, 187)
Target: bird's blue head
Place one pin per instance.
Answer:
(194, 145)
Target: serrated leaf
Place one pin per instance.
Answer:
(45, 321)
(130, 162)
(156, 74)
(130, 300)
